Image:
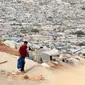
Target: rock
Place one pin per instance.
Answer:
(2, 72)
(45, 65)
(7, 73)
(26, 77)
(36, 78)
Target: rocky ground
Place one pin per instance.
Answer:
(61, 75)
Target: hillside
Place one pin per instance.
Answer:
(6, 49)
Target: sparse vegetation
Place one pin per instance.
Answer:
(78, 33)
(35, 30)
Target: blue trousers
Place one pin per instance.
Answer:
(21, 63)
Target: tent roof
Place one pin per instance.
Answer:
(52, 52)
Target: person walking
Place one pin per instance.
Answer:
(23, 53)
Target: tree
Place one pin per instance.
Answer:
(79, 33)
(35, 30)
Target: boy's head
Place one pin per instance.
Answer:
(25, 43)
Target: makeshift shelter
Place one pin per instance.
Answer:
(53, 52)
(10, 43)
(45, 55)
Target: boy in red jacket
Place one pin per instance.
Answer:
(23, 54)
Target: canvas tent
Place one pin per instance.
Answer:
(10, 43)
(52, 52)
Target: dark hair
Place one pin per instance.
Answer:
(25, 42)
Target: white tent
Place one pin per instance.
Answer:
(52, 52)
(35, 46)
(75, 51)
(44, 55)
(10, 43)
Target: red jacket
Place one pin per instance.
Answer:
(23, 51)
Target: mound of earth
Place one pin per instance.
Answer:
(4, 48)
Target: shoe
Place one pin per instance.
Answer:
(19, 71)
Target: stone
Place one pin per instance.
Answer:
(26, 77)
